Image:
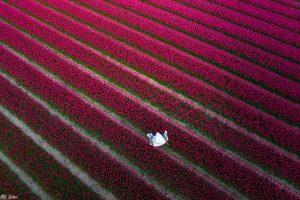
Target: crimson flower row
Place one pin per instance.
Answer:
(243, 19)
(221, 24)
(157, 164)
(263, 14)
(228, 106)
(219, 39)
(275, 129)
(217, 162)
(209, 72)
(247, 146)
(38, 164)
(10, 183)
(289, 3)
(226, 60)
(277, 8)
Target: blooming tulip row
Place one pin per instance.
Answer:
(159, 165)
(219, 39)
(243, 19)
(217, 161)
(243, 144)
(275, 7)
(9, 182)
(243, 114)
(221, 78)
(54, 178)
(247, 70)
(262, 14)
(225, 26)
(289, 3)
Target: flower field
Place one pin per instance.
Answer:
(83, 82)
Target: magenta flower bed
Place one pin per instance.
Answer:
(243, 19)
(277, 8)
(169, 171)
(281, 133)
(10, 184)
(98, 164)
(263, 14)
(244, 68)
(46, 171)
(224, 25)
(251, 148)
(219, 39)
(220, 77)
(233, 125)
(218, 162)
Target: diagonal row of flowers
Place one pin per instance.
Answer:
(260, 152)
(265, 14)
(10, 182)
(203, 17)
(243, 19)
(38, 164)
(217, 38)
(242, 113)
(198, 48)
(257, 74)
(205, 154)
(98, 164)
(223, 79)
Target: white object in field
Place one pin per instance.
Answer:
(158, 139)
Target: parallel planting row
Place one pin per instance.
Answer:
(232, 118)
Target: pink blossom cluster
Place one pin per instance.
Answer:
(221, 78)
(243, 68)
(54, 178)
(232, 138)
(217, 162)
(219, 39)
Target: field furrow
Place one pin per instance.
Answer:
(260, 152)
(124, 140)
(10, 183)
(276, 8)
(183, 61)
(83, 82)
(262, 14)
(243, 19)
(216, 38)
(219, 57)
(37, 163)
(278, 131)
(222, 25)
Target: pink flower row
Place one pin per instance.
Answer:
(225, 26)
(250, 71)
(55, 179)
(289, 3)
(265, 14)
(242, 113)
(10, 182)
(247, 146)
(189, 64)
(276, 8)
(216, 161)
(243, 19)
(121, 180)
(219, 39)
(99, 125)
